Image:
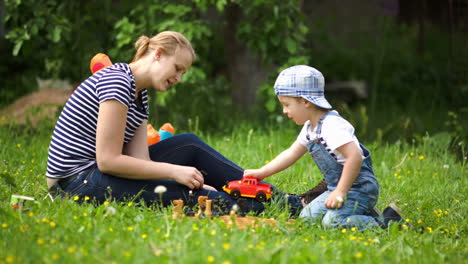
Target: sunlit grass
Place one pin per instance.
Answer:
(424, 179)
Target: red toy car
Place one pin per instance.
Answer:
(248, 187)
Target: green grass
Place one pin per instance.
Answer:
(425, 180)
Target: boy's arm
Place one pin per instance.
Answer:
(350, 172)
(280, 162)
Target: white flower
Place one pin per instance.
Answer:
(446, 166)
(160, 189)
(110, 210)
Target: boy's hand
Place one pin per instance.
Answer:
(257, 173)
(335, 199)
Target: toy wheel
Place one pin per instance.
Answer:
(235, 194)
(261, 197)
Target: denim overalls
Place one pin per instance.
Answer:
(362, 195)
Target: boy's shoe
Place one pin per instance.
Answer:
(313, 193)
(393, 214)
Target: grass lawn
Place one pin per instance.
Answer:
(426, 181)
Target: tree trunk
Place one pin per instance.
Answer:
(244, 69)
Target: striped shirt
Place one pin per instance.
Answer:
(73, 145)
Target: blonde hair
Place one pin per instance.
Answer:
(169, 41)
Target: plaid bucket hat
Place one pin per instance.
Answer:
(302, 81)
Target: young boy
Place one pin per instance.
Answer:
(345, 164)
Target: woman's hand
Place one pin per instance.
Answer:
(335, 199)
(257, 173)
(188, 176)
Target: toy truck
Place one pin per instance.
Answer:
(248, 186)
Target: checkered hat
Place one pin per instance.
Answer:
(302, 81)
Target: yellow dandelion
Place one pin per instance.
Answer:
(420, 221)
(4, 225)
(421, 157)
(130, 228)
(127, 254)
(457, 201)
(106, 202)
(130, 204)
(226, 246)
(40, 241)
(76, 198)
(111, 229)
(353, 229)
(55, 256)
(85, 214)
(10, 259)
(195, 227)
(31, 214)
(407, 220)
(75, 217)
(52, 224)
(348, 220)
(304, 183)
(226, 262)
(86, 198)
(71, 250)
(144, 236)
(210, 259)
(358, 255)
(343, 230)
(306, 240)
(18, 145)
(21, 229)
(429, 229)
(213, 232)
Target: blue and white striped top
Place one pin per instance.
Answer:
(73, 145)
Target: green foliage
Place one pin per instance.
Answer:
(415, 176)
(51, 38)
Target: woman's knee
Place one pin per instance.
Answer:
(190, 137)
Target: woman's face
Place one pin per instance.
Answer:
(167, 70)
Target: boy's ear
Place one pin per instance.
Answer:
(307, 103)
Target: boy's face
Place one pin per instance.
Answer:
(295, 108)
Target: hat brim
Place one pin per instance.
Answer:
(319, 101)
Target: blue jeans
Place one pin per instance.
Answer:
(182, 149)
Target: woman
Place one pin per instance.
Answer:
(99, 145)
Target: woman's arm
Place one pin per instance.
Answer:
(137, 147)
(280, 162)
(111, 160)
(350, 172)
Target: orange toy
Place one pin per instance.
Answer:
(99, 62)
(166, 131)
(153, 135)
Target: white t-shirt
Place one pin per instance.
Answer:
(336, 131)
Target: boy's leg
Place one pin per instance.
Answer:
(353, 213)
(315, 209)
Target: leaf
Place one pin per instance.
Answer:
(17, 47)
(291, 45)
(56, 34)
